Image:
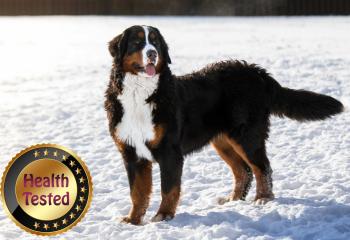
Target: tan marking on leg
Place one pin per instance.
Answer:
(263, 189)
(237, 166)
(141, 188)
(159, 131)
(119, 143)
(168, 205)
(238, 149)
(140, 194)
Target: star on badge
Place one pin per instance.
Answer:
(72, 215)
(78, 171)
(36, 154)
(46, 226)
(64, 221)
(36, 225)
(55, 225)
(81, 199)
(78, 208)
(82, 180)
(46, 152)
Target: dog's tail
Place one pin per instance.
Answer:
(302, 105)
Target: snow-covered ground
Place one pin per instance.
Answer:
(54, 72)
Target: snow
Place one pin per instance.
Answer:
(54, 71)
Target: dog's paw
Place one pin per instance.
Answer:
(162, 217)
(263, 200)
(130, 220)
(223, 200)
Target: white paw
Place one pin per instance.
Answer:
(262, 201)
(223, 200)
(162, 217)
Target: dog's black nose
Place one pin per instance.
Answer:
(151, 54)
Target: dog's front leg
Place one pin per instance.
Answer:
(140, 180)
(170, 172)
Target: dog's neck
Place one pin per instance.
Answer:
(137, 85)
(118, 77)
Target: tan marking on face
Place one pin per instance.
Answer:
(236, 164)
(129, 60)
(170, 201)
(159, 131)
(141, 34)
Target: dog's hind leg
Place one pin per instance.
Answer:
(241, 171)
(254, 154)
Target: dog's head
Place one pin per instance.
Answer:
(140, 50)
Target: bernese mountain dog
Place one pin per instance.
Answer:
(157, 117)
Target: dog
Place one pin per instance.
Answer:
(155, 116)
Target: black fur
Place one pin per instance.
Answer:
(118, 46)
(228, 97)
(304, 105)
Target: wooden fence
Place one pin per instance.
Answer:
(175, 7)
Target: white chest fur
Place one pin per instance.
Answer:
(136, 126)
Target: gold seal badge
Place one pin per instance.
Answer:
(46, 189)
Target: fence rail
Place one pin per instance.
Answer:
(175, 7)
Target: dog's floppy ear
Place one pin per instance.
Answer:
(164, 47)
(117, 46)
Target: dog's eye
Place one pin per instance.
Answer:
(154, 42)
